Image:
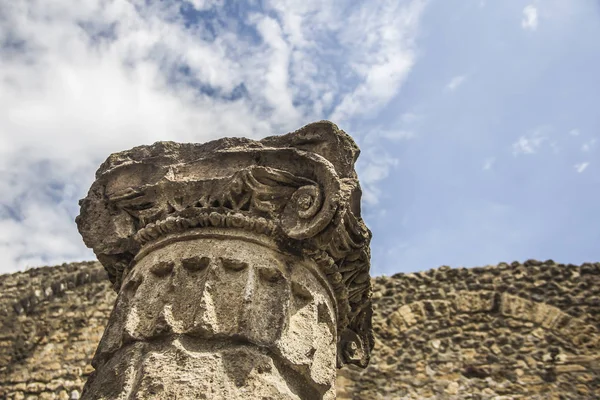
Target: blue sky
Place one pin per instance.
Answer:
(478, 120)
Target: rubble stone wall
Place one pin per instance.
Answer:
(518, 331)
(51, 320)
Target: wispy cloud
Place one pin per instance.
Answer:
(78, 83)
(376, 166)
(581, 167)
(587, 146)
(574, 132)
(528, 144)
(530, 18)
(201, 5)
(455, 82)
(489, 163)
(409, 117)
(389, 37)
(377, 161)
(397, 135)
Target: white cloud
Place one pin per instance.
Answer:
(586, 147)
(397, 135)
(531, 142)
(276, 79)
(409, 117)
(489, 163)
(530, 18)
(385, 31)
(581, 167)
(404, 128)
(375, 163)
(375, 167)
(389, 37)
(527, 145)
(574, 132)
(455, 82)
(201, 5)
(77, 83)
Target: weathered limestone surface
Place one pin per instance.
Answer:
(47, 346)
(242, 268)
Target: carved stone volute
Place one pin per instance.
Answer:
(274, 225)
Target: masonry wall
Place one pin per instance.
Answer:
(500, 332)
(51, 320)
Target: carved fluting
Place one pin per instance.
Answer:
(241, 266)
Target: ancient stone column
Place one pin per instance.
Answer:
(241, 266)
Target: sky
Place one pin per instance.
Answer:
(478, 121)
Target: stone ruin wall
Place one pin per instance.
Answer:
(51, 320)
(518, 331)
(500, 332)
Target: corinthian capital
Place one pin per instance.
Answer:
(259, 242)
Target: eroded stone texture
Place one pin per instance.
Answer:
(242, 267)
(52, 318)
(511, 331)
